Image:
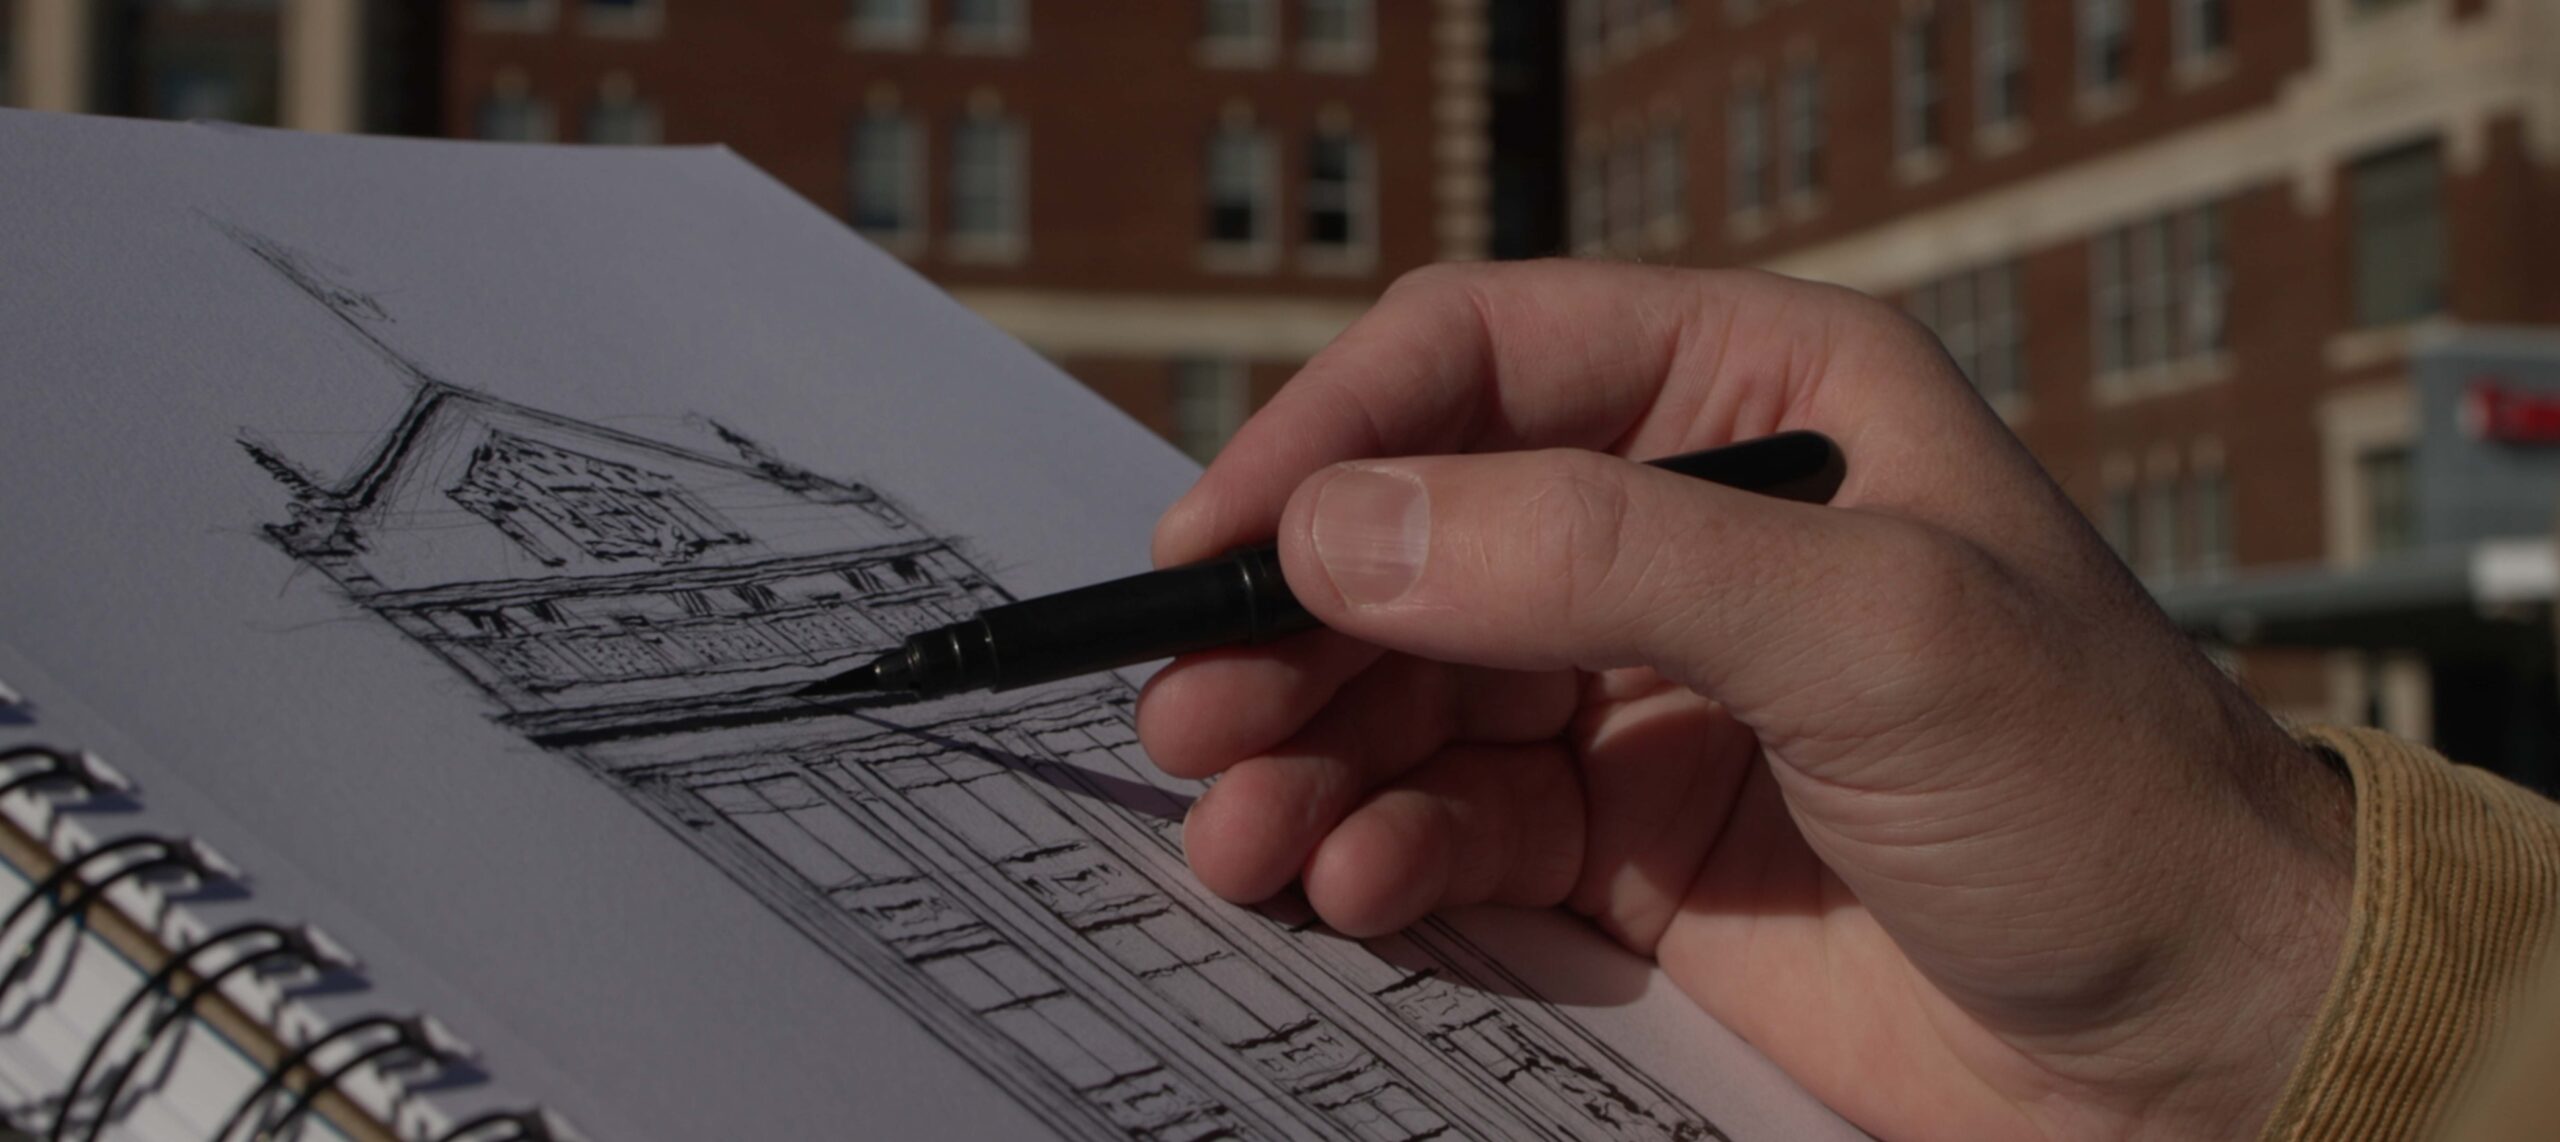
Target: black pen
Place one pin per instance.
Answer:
(1235, 599)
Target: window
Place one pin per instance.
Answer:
(1919, 94)
(1237, 32)
(510, 113)
(2118, 521)
(2204, 30)
(1626, 193)
(621, 17)
(2159, 543)
(1746, 150)
(1239, 187)
(2390, 502)
(1340, 188)
(986, 187)
(1666, 181)
(2210, 514)
(1335, 34)
(2159, 291)
(2000, 63)
(2149, 283)
(511, 15)
(1590, 200)
(2204, 281)
(619, 117)
(2106, 46)
(2398, 204)
(1210, 400)
(888, 23)
(885, 179)
(988, 25)
(1975, 316)
(1801, 173)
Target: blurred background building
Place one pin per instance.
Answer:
(2273, 288)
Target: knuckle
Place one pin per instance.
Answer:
(1575, 520)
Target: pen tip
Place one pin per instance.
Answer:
(886, 673)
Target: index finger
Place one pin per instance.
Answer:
(1503, 357)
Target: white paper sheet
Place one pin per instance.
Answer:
(439, 528)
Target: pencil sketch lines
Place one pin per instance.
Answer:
(1000, 868)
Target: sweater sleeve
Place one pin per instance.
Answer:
(2457, 903)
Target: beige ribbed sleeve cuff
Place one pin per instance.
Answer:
(2456, 894)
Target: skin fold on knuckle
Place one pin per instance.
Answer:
(1555, 559)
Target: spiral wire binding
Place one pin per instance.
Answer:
(288, 942)
(530, 1126)
(285, 947)
(181, 856)
(80, 768)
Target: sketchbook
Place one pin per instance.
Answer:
(408, 554)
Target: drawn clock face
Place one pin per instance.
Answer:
(1001, 869)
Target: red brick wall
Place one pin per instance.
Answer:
(1116, 109)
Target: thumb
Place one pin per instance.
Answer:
(1566, 558)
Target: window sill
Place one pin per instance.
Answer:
(2097, 103)
(985, 249)
(2359, 349)
(860, 38)
(2195, 371)
(1667, 233)
(1992, 140)
(1747, 225)
(906, 245)
(1006, 43)
(1240, 258)
(1242, 55)
(1912, 167)
(1346, 58)
(1803, 205)
(2195, 71)
(637, 24)
(536, 16)
(1338, 261)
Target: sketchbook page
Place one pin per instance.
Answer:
(441, 529)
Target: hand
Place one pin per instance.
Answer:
(1918, 792)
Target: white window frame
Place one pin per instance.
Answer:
(1999, 55)
(1355, 53)
(910, 236)
(1746, 149)
(2151, 282)
(1919, 92)
(1666, 182)
(1009, 241)
(1010, 34)
(1257, 46)
(2101, 24)
(643, 19)
(2209, 510)
(2000, 336)
(1359, 254)
(529, 16)
(2204, 281)
(1626, 191)
(618, 92)
(864, 31)
(1260, 251)
(2197, 61)
(1211, 398)
(512, 84)
(1800, 174)
(2110, 306)
(2162, 496)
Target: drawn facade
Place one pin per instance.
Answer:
(998, 866)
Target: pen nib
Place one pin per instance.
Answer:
(886, 673)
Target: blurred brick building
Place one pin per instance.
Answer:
(2195, 251)
(1177, 200)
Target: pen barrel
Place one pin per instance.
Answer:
(1237, 598)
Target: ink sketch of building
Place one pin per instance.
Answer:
(997, 865)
